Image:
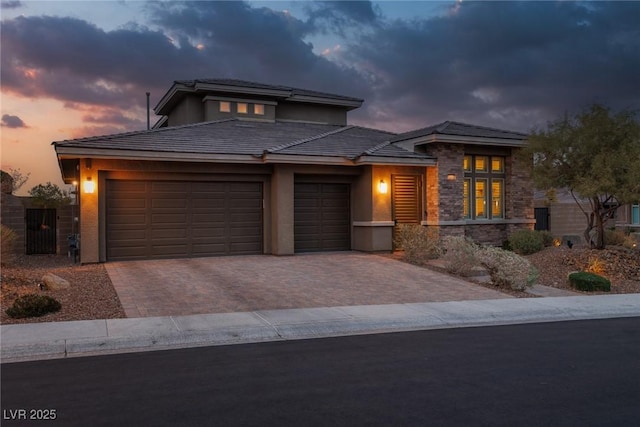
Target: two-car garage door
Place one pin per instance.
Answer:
(170, 219)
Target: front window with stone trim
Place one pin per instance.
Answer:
(635, 214)
(483, 187)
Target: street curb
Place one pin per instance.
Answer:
(25, 342)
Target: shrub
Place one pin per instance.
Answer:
(631, 241)
(526, 242)
(33, 305)
(547, 238)
(614, 237)
(508, 269)
(8, 239)
(585, 281)
(419, 243)
(460, 255)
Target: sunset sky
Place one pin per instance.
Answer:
(81, 68)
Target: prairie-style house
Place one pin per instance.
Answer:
(236, 167)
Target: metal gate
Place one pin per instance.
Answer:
(41, 231)
(542, 219)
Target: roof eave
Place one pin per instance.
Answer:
(82, 152)
(461, 139)
(394, 161)
(350, 104)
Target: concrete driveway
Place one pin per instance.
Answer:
(264, 282)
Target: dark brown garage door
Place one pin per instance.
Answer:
(322, 217)
(171, 219)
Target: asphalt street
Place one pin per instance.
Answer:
(581, 373)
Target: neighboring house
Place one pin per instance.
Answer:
(237, 167)
(628, 217)
(563, 217)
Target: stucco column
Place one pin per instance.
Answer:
(282, 242)
(89, 230)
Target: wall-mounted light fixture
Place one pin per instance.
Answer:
(89, 186)
(382, 187)
(451, 177)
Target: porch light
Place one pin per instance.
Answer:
(382, 187)
(89, 186)
(451, 177)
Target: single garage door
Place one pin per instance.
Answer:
(321, 217)
(171, 219)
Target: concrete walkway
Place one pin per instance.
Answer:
(93, 337)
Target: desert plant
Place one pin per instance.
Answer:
(526, 242)
(507, 268)
(614, 237)
(460, 255)
(586, 281)
(631, 242)
(33, 305)
(8, 239)
(547, 238)
(419, 243)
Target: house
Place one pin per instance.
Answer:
(236, 167)
(564, 218)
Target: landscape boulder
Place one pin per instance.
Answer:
(53, 282)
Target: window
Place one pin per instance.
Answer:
(635, 214)
(225, 107)
(467, 163)
(483, 189)
(481, 198)
(497, 197)
(242, 107)
(481, 164)
(258, 109)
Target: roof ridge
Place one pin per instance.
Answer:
(376, 147)
(309, 139)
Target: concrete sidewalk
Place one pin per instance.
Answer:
(93, 337)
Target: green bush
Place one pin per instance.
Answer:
(614, 237)
(585, 281)
(507, 268)
(419, 243)
(8, 239)
(460, 255)
(33, 305)
(526, 242)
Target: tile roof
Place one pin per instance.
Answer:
(242, 137)
(292, 91)
(460, 129)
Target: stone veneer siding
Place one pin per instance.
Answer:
(445, 197)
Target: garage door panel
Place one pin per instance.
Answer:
(182, 219)
(130, 234)
(322, 217)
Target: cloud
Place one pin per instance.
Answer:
(7, 4)
(13, 122)
(504, 63)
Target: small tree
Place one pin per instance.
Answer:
(13, 180)
(596, 155)
(49, 196)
